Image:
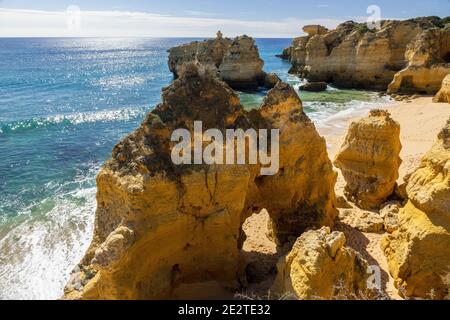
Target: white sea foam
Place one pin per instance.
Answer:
(337, 121)
(37, 255)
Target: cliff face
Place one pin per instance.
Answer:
(208, 53)
(353, 56)
(237, 60)
(369, 159)
(444, 93)
(418, 252)
(302, 195)
(241, 66)
(428, 57)
(160, 226)
(319, 266)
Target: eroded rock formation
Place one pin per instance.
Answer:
(208, 53)
(428, 57)
(237, 60)
(354, 56)
(241, 66)
(314, 86)
(319, 266)
(159, 226)
(444, 93)
(418, 252)
(369, 159)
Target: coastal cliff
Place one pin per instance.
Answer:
(160, 227)
(353, 56)
(428, 57)
(237, 61)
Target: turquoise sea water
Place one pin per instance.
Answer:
(64, 103)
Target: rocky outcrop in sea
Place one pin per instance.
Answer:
(236, 60)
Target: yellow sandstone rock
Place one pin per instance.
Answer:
(319, 266)
(241, 66)
(428, 59)
(237, 60)
(444, 94)
(369, 159)
(161, 227)
(415, 51)
(418, 252)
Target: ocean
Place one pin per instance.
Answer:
(64, 104)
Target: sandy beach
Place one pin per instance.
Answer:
(420, 121)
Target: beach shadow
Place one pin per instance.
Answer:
(358, 241)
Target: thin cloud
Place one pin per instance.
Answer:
(38, 23)
(200, 13)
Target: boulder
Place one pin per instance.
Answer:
(161, 228)
(271, 80)
(314, 86)
(364, 221)
(418, 253)
(389, 212)
(444, 93)
(319, 266)
(369, 159)
(285, 55)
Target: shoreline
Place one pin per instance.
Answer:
(416, 141)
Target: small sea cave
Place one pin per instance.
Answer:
(446, 57)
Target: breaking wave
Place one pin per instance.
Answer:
(38, 251)
(73, 119)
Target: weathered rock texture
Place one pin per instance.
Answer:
(319, 266)
(369, 159)
(428, 57)
(444, 93)
(389, 213)
(364, 221)
(314, 86)
(237, 60)
(314, 29)
(354, 56)
(418, 252)
(208, 53)
(241, 66)
(159, 226)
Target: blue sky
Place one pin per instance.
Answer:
(197, 17)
